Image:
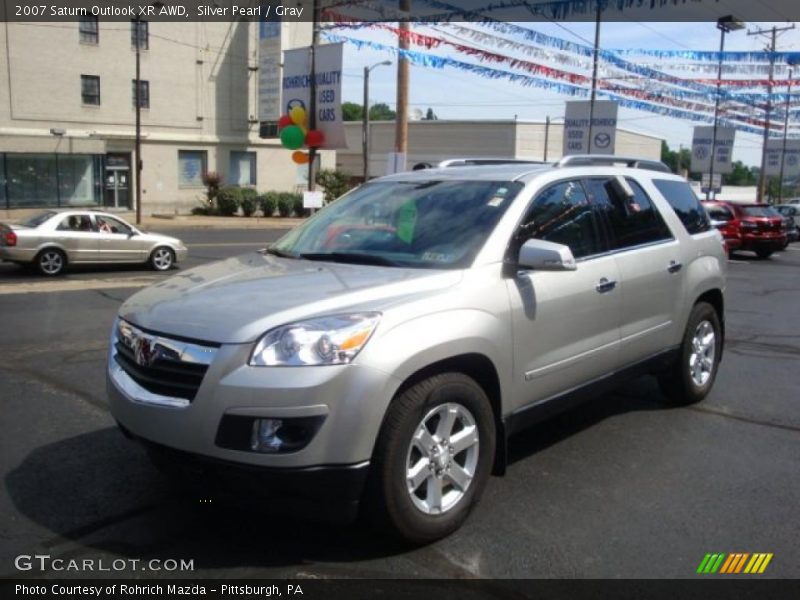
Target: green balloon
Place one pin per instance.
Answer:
(292, 137)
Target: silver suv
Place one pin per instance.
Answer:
(378, 356)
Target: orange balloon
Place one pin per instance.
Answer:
(300, 157)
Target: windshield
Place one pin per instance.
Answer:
(760, 211)
(431, 224)
(37, 219)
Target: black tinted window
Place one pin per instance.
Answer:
(562, 214)
(719, 213)
(686, 205)
(632, 221)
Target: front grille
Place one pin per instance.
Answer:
(161, 365)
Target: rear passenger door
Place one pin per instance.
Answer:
(650, 269)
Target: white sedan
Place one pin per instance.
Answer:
(52, 240)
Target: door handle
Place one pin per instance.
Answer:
(604, 285)
(674, 266)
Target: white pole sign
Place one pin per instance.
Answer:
(577, 131)
(791, 158)
(269, 71)
(297, 88)
(701, 149)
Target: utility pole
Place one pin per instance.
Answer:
(785, 135)
(403, 76)
(312, 114)
(773, 35)
(725, 25)
(546, 136)
(598, 16)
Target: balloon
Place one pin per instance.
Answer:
(298, 115)
(284, 121)
(315, 138)
(300, 157)
(292, 137)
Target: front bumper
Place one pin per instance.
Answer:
(181, 254)
(349, 400)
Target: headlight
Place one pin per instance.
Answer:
(334, 340)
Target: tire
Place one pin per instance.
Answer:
(416, 516)
(162, 258)
(764, 253)
(681, 384)
(50, 262)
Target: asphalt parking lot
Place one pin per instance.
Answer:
(621, 487)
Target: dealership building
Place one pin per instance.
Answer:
(67, 112)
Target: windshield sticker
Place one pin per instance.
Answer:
(437, 257)
(496, 201)
(406, 221)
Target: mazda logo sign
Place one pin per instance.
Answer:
(144, 351)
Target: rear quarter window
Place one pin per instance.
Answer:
(685, 204)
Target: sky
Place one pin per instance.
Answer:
(455, 94)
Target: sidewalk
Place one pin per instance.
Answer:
(156, 222)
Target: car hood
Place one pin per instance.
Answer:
(237, 300)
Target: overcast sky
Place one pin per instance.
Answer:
(455, 94)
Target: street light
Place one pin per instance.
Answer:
(138, 144)
(725, 25)
(365, 128)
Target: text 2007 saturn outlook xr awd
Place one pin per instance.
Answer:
(378, 356)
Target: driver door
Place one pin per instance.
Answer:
(118, 241)
(565, 323)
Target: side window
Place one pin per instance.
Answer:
(75, 223)
(685, 204)
(719, 213)
(632, 221)
(562, 214)
(111, 225)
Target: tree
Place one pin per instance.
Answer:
(352, 111)
(740, 175)
(334, 182)
(673, 159)
(430, 115)
(381, 112)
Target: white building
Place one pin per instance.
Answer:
(434, 141)
(67, 113)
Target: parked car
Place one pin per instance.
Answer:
(378, 356)
(758, 228)
(52, 240)
(791, 218)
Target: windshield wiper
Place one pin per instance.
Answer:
(281, 253)
(350, 257)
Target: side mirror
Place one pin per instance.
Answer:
(546, 256)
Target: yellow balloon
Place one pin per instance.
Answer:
(298, 115)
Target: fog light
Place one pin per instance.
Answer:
(265, 435)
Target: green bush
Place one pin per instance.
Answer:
(268, 203)
(201, 210)
(297, 205)
(334, 182)
(248, 200)
(285, 204)
(228, 201)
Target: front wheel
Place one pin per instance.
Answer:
(692, 375)
(432, 459)
(162, 258)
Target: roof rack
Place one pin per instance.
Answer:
(592, 160)
(474, 162)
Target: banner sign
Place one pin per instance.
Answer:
(701, 149)
(297, 88)
(603, 128)
(790, 158)
(269, 70)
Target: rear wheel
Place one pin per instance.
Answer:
(764, 253)
(162, 258)
(692, 375)
(50, 262)
(432, 459)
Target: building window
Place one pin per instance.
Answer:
(90, 89)
(144, 93)
(268, 129)
(88, 30)
(242, 169)
(140, 34)
(52, 180)
(191, 166)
